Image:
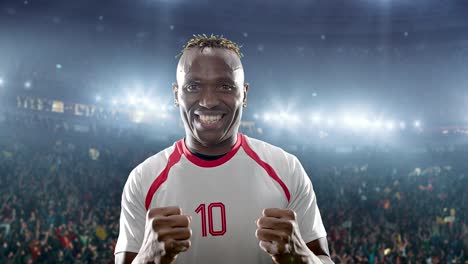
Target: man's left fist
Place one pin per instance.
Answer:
(280, 236)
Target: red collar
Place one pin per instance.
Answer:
(210, 163)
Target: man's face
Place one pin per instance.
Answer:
(210, 93)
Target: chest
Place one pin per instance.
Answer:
(224, 203)
(241, 187)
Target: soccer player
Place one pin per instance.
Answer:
(218, 196)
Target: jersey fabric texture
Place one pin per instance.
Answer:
(224, 197)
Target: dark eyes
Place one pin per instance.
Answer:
(196, 87)
(227, 87)
(191, 87)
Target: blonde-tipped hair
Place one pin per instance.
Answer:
(213, 41)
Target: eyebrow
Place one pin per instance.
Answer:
(219, 79)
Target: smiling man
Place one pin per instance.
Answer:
(218, 196)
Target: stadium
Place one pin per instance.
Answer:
(370, 96)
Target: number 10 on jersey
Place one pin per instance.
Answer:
(202, 210)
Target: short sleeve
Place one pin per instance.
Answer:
(303, 201)
(132, 215)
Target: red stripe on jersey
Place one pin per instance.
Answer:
(267, 168)
(210, 163)
(173, 159)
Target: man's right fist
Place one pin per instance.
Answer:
(167, 233)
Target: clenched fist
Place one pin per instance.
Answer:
(280, 236)
(167, 233)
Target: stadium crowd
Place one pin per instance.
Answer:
(60, 201)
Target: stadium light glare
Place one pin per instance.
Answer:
(1, 81)
(284, 115)
(390, 125)
(402, 125)
(377, 124)
(316, 118)
(98, 98)
(162, 115)
(139, 116)
(330, 122)
(132, 100)
(256, 116)
(27, 84)
(114, 102)
(348, 120)
(145, 101)
(267, 116)
(294, 118)
(362, 122)
(354, 122)
(417, 124)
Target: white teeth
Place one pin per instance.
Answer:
(210, 118)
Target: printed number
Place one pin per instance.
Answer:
(202, 209)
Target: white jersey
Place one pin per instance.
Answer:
(224, 197)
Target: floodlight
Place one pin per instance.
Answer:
(316, 118)
(132, 100)
(402, 125)
(377, 124)
(390, 125)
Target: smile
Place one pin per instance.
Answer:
(210, 118)
(209, 121)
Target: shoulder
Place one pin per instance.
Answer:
(271, 154)
(158, 161)
(145, 172)
(284, 165)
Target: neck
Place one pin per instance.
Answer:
(211, 149)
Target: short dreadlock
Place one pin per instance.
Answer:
(213, 41)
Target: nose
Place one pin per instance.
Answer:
(208, 99)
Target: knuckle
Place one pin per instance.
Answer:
(178, 210)
(261, 221)
(157, 223)
(154, 224)
(258, 233)
(289, 227)
(291, 214)
(187, 233)
(156, 211)
(186, 220)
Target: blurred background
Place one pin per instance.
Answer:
(372, 96)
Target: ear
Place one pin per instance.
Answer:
(246, 89)
(175, 89)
